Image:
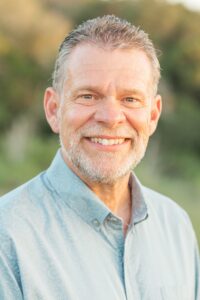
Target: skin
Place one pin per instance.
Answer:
(108, 94)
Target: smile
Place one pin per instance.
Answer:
(107, 142)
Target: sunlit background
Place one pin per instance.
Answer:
(30, 33)
(191, 4)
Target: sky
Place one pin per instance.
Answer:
(191, 4)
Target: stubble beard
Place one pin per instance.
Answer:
(103, 167)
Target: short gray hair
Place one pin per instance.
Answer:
(109, 32)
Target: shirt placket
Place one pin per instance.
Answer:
(130, 261)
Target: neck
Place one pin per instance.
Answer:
(116, 196)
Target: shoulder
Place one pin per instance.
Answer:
(170, 224)
(22, 201)
(160, 201)
(24, 191)
(23, 213)
(167, 212)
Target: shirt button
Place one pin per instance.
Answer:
(113, 220)
(96, 223)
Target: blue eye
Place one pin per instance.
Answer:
(86, 99)
(87, 96)
(133, 102)
(130, 99)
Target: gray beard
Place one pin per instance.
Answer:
(96, 170)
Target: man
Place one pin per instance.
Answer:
(86, 228)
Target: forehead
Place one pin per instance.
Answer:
(91, 64)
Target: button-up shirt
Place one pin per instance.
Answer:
(58, 241)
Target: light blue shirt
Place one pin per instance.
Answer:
(58, 241)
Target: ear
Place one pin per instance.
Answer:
(51, 108)
(156, 109)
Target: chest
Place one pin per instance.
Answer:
(78, 261)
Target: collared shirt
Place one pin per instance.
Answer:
(58, 241)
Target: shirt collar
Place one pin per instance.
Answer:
(74, 192)
(61, 180)
(139, 207)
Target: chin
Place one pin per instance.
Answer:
(104, 168)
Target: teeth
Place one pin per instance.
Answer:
(107, 141)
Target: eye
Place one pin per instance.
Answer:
(87, 96)
(132, 102)
(130, 99)
(86, 99)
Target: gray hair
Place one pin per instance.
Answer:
(109, 32)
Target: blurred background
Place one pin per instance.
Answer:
(30, 34)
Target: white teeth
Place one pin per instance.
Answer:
(107, 141)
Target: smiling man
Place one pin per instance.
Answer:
(86, 228)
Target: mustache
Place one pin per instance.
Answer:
(96, 130)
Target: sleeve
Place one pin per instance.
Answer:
(9, 275)
(195, 262)
(197, 281)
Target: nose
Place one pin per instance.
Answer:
(110, 113)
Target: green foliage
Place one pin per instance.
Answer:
(179, 130)
(20, 82)
(37, 158)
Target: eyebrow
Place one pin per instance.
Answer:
(86, 88)
(96, 89)
(133, 91)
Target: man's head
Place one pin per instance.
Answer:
(107, 32)
(103, 102)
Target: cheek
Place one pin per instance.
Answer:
(74, 117)
(139, 119)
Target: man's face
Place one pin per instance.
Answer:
(107, 112)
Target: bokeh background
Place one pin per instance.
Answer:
(30, 33)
